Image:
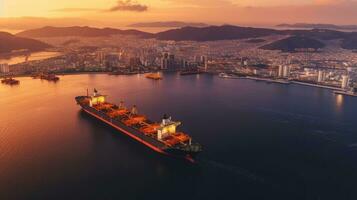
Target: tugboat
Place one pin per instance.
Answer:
(161, 137)
(10, 81)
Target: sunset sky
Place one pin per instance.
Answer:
(15, 13)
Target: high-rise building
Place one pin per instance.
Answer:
(134, 63)
(344, 83)
(203, 60)
(286, 71)
(321, 76)
(280, 71)
(101, 57)
(168, 62)
(164, 63)
(4, 68)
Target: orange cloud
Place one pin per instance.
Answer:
(128, 5)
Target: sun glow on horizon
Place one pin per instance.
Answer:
(112, 12)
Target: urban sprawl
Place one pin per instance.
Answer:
(330, 67)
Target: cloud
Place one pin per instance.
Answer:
(331, 2)
(202, 3)
(128, 5)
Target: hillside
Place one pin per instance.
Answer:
(350, 43)
(210, 33)
(319, 26)
(9, 42)
(84, 31)
(290, 44)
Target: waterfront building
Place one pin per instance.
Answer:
(344, 83)
(203, 60)
(164, 63)
(4, 68)
(286, 71)
(100, 57)
(321, 76)
(280, 71)
(168, 62)
(134, 63)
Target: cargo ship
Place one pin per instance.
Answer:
(161, 137)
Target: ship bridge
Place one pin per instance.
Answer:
(97, 98)
(167, 128)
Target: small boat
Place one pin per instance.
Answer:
(154, 76)
(229, 76)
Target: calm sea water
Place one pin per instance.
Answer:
(261, 141)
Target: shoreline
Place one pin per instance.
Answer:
(57, 74)
(316, 85)
(284, 82)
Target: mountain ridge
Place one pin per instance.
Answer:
(83, 31)
(168, 24)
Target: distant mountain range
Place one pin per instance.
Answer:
(9, 42)
(319, 26)
(212, 33)
(173, 24)
(314, 38)
(84, 31)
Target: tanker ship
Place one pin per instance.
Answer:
(161, 137)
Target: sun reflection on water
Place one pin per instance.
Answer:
(339, 101)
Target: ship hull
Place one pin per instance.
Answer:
(150, 142)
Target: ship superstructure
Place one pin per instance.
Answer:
(162, 137)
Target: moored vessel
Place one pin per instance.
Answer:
(10, 81)
(352, 92)
(190, 72)
(50, 77)
(161, 137)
